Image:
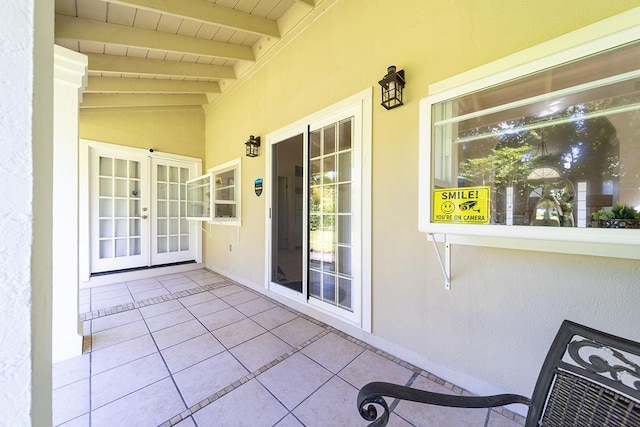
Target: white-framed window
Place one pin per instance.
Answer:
(216, 196)
(543, 155)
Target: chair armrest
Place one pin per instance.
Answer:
(372, 394)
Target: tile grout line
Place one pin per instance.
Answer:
(96, 314)
(328, 329)
(228, 389)
(164, 361)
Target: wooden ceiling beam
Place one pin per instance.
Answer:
(311, 3)
(112, 100)
(134, 65)
(103, 32)
(209, 13)
(130, 85)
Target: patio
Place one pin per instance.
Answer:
(197, 349)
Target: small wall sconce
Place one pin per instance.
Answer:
(392, 85)
(253, 146)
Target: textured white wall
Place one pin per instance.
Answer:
(16, 210)
(26, 86)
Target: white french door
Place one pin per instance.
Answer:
(173, 237)
(119, 211)
(137, 210)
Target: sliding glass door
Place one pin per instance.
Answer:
(319, 221)
(312, 245)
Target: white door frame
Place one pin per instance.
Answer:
(362, 103)
(84, 198)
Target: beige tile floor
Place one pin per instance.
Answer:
(197, 349)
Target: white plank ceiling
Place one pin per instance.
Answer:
(169, 52)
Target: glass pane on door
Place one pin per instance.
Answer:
(119, 208)
(173, 237)
(330, 214)
(288, 214)
(172, 227)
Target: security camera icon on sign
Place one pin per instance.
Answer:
(469, 206)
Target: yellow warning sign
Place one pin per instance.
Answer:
(464, 205)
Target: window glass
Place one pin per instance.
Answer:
(212, 197)
(225, 189)
(557, 148)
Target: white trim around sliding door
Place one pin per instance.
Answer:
(362, 103)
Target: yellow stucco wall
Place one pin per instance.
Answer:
(175, 131)
(505, 305)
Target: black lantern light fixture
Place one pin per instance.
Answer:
(253, 146)
(392, 85)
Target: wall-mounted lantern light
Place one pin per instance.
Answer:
(253, 146)
(392, 85)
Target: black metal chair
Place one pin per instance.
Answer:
(589, 378)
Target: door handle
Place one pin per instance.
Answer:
(143, 217)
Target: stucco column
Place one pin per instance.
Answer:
(70, 76)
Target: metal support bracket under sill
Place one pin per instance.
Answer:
(446, 264)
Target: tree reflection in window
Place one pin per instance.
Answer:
(578, 149)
